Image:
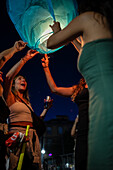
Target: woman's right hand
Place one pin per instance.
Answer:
(30, 54)
(45, 61)
(55, 27)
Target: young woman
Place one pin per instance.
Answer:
(16, 96)
(95, 62)
(4, 111)
(79, 94)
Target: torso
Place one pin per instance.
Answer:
(19, 112)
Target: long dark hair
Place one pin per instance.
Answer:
(25, 93)
(104, 7)
(78, 88)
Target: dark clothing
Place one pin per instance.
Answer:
(96, 65)
(81, 149)
(4, 113)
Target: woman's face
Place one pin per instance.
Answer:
(20, 84)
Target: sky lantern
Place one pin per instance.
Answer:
(32, 18)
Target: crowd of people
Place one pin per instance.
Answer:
(91, 32)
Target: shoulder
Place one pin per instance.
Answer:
(82, 20)
(86, 17)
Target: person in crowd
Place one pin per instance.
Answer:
(17, 99)
(95, 62)
(4, 110)
(79, 94)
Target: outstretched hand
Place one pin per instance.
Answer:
(19, 45)
(48, 104)
(30, 54)
(45, 61)
(55, 27)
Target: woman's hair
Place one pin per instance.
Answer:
(25, 93)
(104, 7)
(78, 88)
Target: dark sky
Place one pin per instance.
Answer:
(63, 66)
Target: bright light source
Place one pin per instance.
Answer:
(43, 151)
(67, 165)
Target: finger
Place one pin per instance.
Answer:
(42, 59)
(50, 26)
(36, 52)
(46, 56)
(1, 72)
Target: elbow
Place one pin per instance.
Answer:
(72, 134)
(54, 90)
(49, 44)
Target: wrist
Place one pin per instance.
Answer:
(45, 66)
(46, 108)
(56, 31)
(24, 59)
(15, 49)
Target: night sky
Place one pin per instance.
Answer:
(63, 66)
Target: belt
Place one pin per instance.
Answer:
(21, 124)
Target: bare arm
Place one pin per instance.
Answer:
(46, 107)
(7, 54)
(61, 37)
(14, 71)
(58, 90)
(73, 130)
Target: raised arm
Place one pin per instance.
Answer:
(15, 70)
(7, 54)
(46, 107)
(73, 30)
(53, 87)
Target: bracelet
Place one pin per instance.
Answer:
(24, 60)
(45, 67)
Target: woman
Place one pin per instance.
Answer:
(4, 110)
(16, 96)
(95, 62)
(79, 94)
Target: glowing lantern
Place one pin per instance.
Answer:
(33, 17)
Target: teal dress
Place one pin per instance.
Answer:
(96, 65)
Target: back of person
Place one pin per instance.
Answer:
(94, 26)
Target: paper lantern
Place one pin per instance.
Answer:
(33, 17)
